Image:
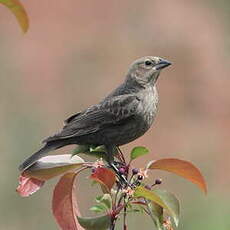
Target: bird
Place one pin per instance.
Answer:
(121, 117)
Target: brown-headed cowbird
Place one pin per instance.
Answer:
(124, 115)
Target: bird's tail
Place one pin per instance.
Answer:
(40, 153)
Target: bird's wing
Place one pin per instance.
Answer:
(71, 118)
(112, 111)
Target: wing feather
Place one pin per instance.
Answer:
(109, 112)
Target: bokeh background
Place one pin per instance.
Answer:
(75, 52)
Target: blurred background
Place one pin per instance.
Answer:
(76, 52)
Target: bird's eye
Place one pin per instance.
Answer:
(148, 62)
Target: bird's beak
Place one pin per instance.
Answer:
(162, 64)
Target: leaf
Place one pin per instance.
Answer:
(138, 151)
(181, 168)
(157, 212)
(64, 204)
(92, 150)
(89, 150)
(105, 177)
(98, 208)
(149, 195)
(80, 149)
(104, 203)
(54, 165)
(19, 12)
(27, 186)
(136, 206)
(172, 203)
(95, 223)
(100, 148)
(106, 200)
(98, 198)
(166, 200)
(98, 152)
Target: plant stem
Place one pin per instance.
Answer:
(125, 214)
(115, 199)
(117, 202)
(112, 227)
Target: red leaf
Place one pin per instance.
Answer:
(27, 185)
(181, 168)
(64, 203)
(104, 176)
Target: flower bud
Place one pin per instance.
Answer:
(122, 170)
(158, 181)
(148, 187)
(135, 171)
(140, 177)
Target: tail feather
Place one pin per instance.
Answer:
(40, 153)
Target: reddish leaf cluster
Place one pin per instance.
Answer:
(117, 195)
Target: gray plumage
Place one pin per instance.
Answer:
(124, 115)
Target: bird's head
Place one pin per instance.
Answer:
(146, 70)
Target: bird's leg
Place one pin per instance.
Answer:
(111, 162)
(121, 154)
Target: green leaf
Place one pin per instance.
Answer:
(80, 149)
(98, 198)
(19, 12)
(157, 212)
(163, 198)
(106, 199)
(95, 223)
(100, 151)
(90, 150)
(172, 203)
(149, 195)
(104, 202)
(136, 208)
(100, 148)
(98, 208)
(138, 151)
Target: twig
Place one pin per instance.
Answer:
(125, 214)
(115, 199)
(112, 227)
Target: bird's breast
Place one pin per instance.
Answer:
(148, 106)
(145, 113)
